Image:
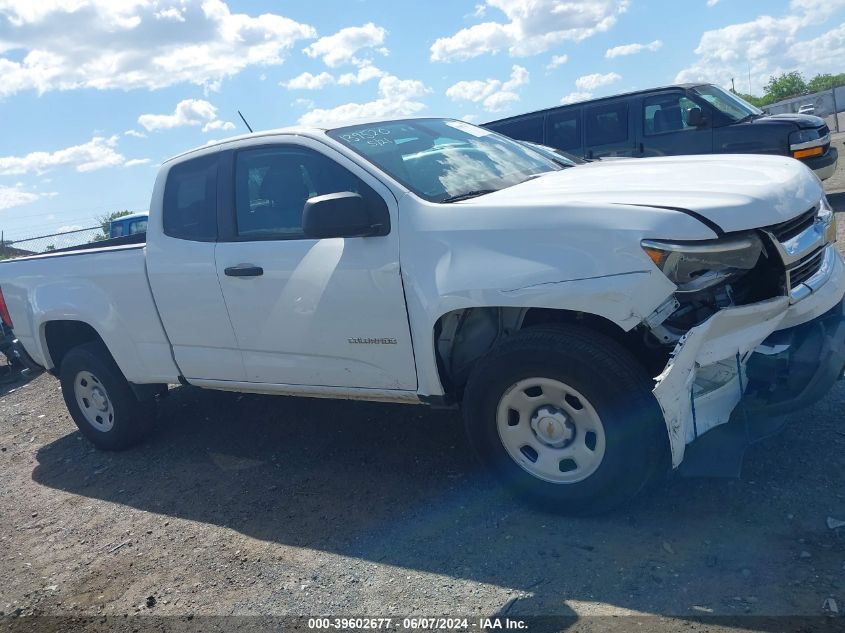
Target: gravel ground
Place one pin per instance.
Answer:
(258, 505)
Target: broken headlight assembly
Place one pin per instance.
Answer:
(697, 266)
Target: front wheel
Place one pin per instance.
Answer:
(566, 417)
(100, 400)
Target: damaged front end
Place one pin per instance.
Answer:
(757, 317)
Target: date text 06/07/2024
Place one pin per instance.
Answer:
(416, 624)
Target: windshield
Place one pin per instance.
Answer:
(564, 159)
(441, 159)
(727, 103)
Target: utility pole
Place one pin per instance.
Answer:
(733, 87)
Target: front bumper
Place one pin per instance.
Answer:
(719, 363)
(825, 165)
(791, 369)
(795, 367)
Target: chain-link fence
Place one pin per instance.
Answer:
(49, 243)
(828, 104)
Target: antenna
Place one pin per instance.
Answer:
(244, 120)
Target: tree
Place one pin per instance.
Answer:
(786, 85)
(757, 101)
(105, 223)
(825, 81)
(792, 84)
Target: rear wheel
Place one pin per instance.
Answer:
(100, 400)
(566, 417)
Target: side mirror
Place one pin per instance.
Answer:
(695, 117)
(343, 214)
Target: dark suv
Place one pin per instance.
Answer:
(682, 119)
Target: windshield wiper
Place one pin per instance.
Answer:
(467, 195)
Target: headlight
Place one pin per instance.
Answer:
(828, 218)
(694, 266)
(807, 143)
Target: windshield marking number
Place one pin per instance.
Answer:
(372, 136)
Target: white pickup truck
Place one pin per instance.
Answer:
(592, 322)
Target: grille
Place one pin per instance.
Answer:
(785, 231)
(805, 269)
(824, 130)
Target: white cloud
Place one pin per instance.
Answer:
(767, 45)
(136, 161)
(396, 98)
(104, 44)
(365, 73)
(307, 81)
(67, 228)
(187, 112)
(596, 80)
(633, 49)
(532, 27)
(712, 3)
(97, 153)
(340, 48)
(134, 134)
(173, 14)
(492, 94)
(16, 196)
(217, 124)
(557, 60)
(823, 53)
(575, 97)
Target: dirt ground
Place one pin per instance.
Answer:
(245, 505)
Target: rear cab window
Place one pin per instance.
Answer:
(138, 226)
(190, 200)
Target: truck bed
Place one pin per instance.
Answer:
(137, 240)
(103, 284)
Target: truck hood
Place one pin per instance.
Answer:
(804, 121)
(735, 192)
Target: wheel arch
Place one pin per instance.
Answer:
(461, 337)
(59, 336)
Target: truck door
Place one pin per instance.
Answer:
(608, 130)
(318, 312)
(666, 129)
(182, 274)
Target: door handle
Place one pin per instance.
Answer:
(244, 270)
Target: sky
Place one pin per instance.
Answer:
(95, 94)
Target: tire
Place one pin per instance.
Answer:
(566, 399)
(100, 400)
